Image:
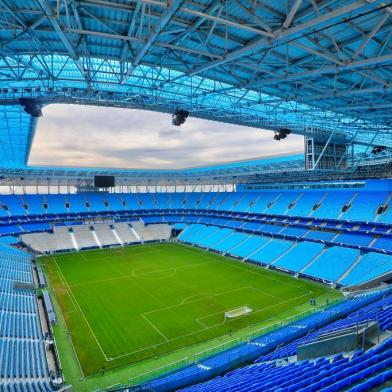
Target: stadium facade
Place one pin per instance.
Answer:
(320, 222)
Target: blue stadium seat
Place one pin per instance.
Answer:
(331, 264)
(272, 250)
(299, 256)
(370, 266)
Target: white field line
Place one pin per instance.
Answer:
(204, 329)
(155, 327)
(197, 320)
(205, 296)
(99, 281)
(211, 349)
(149, 293)
(236, 318)
(122, 277)
(253, 311)
(228, 310)
(81, 311)
(254, 269)
(67, 330)
(141, 275)
(198, 300)
(254, 308)
(100, 255)
(72, 343)
(126, 277)
(67, 290)
(134, 275)
(92, 255)
(178, 337)
(198, 296)
(84, 257)
(270, 277)
(270, 295)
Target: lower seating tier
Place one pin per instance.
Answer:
(278, 368)
(23, 362)
(359, 372)
(95, 236)
(336, 264)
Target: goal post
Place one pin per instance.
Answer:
(242, 311)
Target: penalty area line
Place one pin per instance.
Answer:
(202, 330)
(155, 327)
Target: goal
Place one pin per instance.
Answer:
(244, 310)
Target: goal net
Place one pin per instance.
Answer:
(244, 310)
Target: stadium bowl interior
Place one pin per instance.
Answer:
(270, 274)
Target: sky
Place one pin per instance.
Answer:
(75, 135)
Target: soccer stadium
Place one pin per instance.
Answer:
(270, 273)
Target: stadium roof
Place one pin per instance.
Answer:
(320, 68)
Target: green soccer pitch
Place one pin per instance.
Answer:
(125, 305)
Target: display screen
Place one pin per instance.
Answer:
(103, 181)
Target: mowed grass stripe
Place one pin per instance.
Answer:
(138, 302)
(77, 307)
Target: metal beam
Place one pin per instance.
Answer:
(263, 43)
(136, 39)
(64, 39)
(327, 69)
(131, 30)
(371, 34)
(26, 30)
(333, 94)
(212, 8)
(158, 28)
(291, 14)
(190, 11)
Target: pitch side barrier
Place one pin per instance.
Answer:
(256, 346)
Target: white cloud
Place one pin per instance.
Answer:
(73, 135)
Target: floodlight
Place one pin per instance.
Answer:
(179, 117)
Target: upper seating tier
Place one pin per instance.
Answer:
(347, 205)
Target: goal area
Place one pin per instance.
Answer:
(242, 311)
